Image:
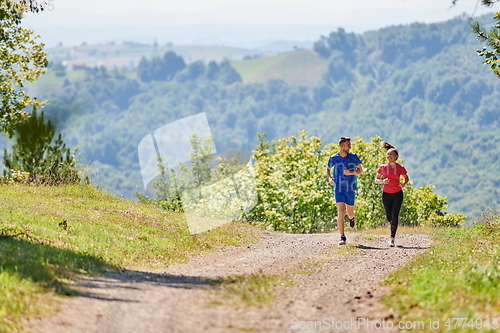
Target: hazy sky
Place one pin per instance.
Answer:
(230, 22)
(341, 6)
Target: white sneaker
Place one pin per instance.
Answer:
(391, 242)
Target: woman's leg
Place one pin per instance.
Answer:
(397, 201)
(387, 201)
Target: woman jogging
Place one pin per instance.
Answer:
(389, 175)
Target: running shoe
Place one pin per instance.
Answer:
(391, 242)
(343, 239)
(351, 222)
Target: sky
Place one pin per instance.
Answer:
(243, 23)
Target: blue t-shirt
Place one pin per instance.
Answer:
(338, 163)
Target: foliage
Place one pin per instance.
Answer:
(428, 212)
(213, 72)
(293, 195)
(160, 69)
(21, 60)
(210, 191)
(459, 277)
(168, 188)
(172, 66)
(438, 107)
(347, 43)
(492, 38)
(34, 153)
(171, 183)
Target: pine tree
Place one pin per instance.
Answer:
(33, 152)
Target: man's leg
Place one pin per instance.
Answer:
(340, 217)
(350, 211)
(350, 197)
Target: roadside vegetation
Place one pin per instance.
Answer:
(52, 235)
(456, 284)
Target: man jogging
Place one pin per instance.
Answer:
(346, 167)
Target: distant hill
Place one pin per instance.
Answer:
(128, 54)
(421, 87)
(303, 67)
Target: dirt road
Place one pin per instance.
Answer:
(340, 293)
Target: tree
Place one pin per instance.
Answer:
(346, 44)
(160, 69)
(491, 38)
(33, 152)
(21, 60)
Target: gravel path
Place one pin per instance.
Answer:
(341, 291)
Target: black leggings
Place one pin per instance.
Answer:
(392, 205)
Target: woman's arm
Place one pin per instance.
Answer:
(379, 179)
(406, 179)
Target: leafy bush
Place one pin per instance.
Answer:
(424, 207)
(294, 196)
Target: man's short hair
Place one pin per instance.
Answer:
(344, 139)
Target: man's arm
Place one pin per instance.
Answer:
(328, 172)
(358, 171)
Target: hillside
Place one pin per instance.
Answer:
(304, 67)
(128, 55)
(421, 87)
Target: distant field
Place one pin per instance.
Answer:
(303, 67)
(50, 82)
(130, 55)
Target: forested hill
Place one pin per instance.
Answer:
(420, 86)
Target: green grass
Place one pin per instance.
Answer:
(52, 235)
(252, 290)
(459, 277)
(302, 67)
(50, 77)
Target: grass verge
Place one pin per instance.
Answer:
(52, 235)
(453, 287)
(252, 290)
